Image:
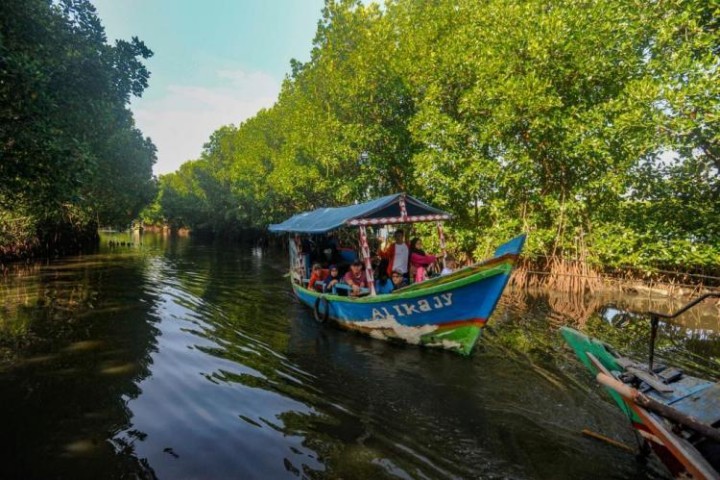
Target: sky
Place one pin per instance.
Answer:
(215, 62)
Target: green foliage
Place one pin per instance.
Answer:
(70, 150)
(516, 116)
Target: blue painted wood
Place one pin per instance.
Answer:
(449, 303)
(704, 404)
(452, 301)
(348, 288)
(446, 312)
(514, 246)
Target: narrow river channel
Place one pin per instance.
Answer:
(172, 359)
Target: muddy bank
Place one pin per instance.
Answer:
(579, 277)
(50, 240)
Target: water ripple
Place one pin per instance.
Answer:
(177, 360)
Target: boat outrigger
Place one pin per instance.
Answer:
(676, 415)
(446, 312)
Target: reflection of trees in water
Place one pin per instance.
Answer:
(81, 344)
(342, 430)
(692, 340)
(560, 308)
(237, 292)
(356, 445)
(577, 309)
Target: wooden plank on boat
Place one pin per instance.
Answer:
(644, 401)
(681, 449)
(651, 380)
(703, 406)
(627, 363)
(598, 364)
(670, 374)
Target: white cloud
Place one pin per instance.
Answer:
(183, 119)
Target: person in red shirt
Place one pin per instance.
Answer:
(317, 277)
(397, 254)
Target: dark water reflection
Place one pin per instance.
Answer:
(176, 360)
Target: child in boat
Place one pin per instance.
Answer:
(317, 277)
(389, 284)
(419, 260)
(450, 265)
(356, 277)
(398, 279)
(383, 284)
(332, 278)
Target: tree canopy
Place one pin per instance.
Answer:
(70, 150)
(593, 126)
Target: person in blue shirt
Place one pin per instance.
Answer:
(383, 284)
(398, 279)
(389, 284)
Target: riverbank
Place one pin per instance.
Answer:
(559, 275)
(578, 277)
(47, 240)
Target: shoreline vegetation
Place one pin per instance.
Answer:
(570, 277)
(574, 277)
(601, 143)
(71, 157)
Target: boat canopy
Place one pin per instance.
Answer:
(396, 208)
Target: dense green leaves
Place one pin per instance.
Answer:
(70, 152)
(593, 126)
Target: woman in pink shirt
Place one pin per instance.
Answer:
(419, 260)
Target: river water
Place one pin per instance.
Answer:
(176, 360)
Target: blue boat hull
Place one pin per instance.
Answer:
(446, 312)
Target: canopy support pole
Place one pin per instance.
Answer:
(403, 208)
(365, 249)
(441, 236)
(299, 259)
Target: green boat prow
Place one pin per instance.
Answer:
(581, 344)
(460, 339)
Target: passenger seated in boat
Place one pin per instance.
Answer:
(332, 278)
(397, 254)
(387, 284)
(317, 277)
(383, 284)
(419, 260)
(398, 279)
(356, 277)
(450, 265)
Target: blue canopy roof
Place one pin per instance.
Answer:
(381, 211)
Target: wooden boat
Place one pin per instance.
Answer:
(445, 312)
(676, 415)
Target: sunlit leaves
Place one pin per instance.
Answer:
(515, 115)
